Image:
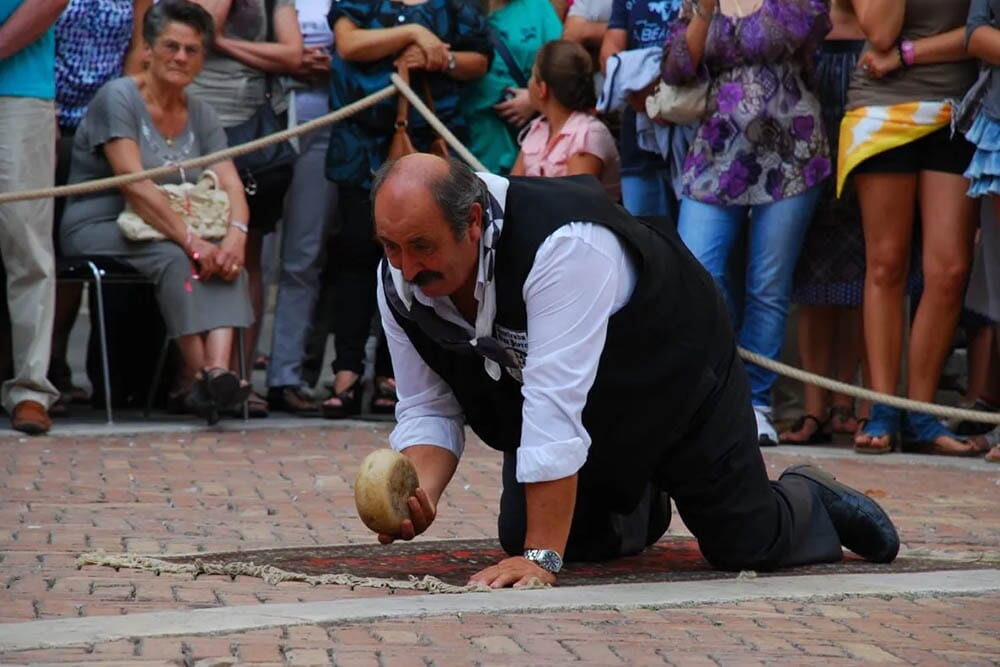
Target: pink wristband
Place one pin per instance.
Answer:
(907, 52)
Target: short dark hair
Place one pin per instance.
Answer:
(177, 11)
(568, 70)
(454, 192)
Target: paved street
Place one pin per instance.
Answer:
(288, 483)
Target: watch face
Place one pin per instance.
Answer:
(547, 559)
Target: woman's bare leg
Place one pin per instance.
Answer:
(218, 348)
(948, 232)
(847, 357)
(816, 340)
(887, 216)
(192, 349)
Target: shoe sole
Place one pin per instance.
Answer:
(31, 428)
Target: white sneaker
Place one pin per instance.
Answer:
(766, 435)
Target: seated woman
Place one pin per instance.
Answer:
(143, 121)
(567, 139)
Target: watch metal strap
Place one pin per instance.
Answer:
(547, 559)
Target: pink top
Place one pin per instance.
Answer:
(582, 133)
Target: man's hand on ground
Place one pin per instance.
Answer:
(422, 513)
(515, 571)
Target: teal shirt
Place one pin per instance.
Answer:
(524, 26)
(31, 72)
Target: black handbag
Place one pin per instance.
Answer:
(267, 170)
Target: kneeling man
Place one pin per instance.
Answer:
(595, 352)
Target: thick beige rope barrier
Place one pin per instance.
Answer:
(417, 103)
(274, 575)
(436, 124)
(205, 160)
(944, 411)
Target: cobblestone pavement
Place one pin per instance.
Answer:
(208, 491)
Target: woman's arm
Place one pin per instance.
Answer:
(948, 47)
(367, 45)
(518, 168)
(232, 250)
(584, 163)
(133, 59)
(148, 202)
(984, 44)
(982, 39)
(696, 33)
(469, 65)
(615, 41)
(881, 20)
(282, 55)
(152, 206)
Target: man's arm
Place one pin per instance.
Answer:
(581, 276)
(430, 424)
(28, 22)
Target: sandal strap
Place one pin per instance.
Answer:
(841, 411)
(882, 421)
(922, 427)
(801, 422)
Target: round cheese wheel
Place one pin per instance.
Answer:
(385, 482)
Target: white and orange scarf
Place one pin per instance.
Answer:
(868, 131)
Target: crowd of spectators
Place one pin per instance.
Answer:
(842, 169)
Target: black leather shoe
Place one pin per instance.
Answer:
(862, 525)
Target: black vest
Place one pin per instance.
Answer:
(667, 354)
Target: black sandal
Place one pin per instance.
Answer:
(817, 437)
(350, 403)
(384, 399)
(843, 414)
(199, 400)
(222, 385)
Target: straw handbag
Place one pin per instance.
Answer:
(202, 205)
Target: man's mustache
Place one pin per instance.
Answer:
(425, 278)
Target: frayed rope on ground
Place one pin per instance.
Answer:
(275, 575)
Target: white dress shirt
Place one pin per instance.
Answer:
(581, 276)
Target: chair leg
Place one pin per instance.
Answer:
(102, 334)
(156, 377)
(241, 355)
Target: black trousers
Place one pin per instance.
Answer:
(352, 261)
(718, 481)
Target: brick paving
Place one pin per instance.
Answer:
(174, 493)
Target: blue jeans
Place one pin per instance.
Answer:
(650, 193)
(775, 236)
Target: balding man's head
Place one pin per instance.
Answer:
(428, 215)
(451, 184)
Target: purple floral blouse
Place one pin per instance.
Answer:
(762, 139)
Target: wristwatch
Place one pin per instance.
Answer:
(452, 62)
(547, 559)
